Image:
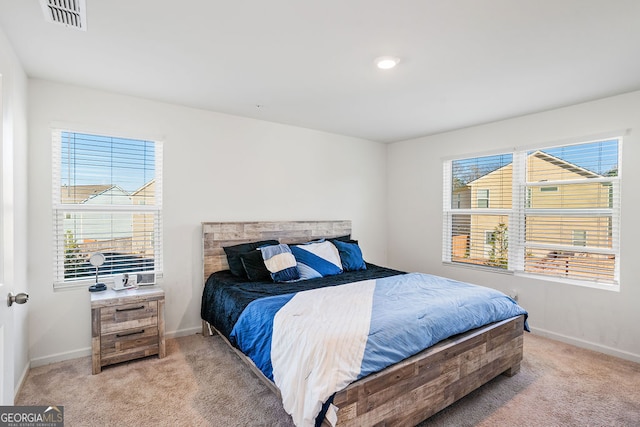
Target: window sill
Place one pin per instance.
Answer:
(615, 287)
(70, 286)
(581, 283)
(84, 284)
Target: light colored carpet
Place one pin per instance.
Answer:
(201, 382)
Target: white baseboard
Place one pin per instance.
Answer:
(183, 332)
(84, 352)
(588, 345)
(20, 383)
(59, 357)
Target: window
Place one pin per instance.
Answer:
(489, 237)
(457, 201)
(106, 198)
(474, 179)
(546, 189)
(579, 238)
(483, 198)
(554, 212)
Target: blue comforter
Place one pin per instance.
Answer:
(404, 315)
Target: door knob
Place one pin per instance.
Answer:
(21, 298)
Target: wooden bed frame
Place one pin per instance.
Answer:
(405, 393)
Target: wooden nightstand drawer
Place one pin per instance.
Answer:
(129, 344)
(128, 316)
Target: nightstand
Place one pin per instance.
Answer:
(126, 325)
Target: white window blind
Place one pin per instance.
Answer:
(553, 212)
(477, 218)
(573, 231)
(107, 197)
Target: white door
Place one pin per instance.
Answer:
(6, 319)
(6, 337)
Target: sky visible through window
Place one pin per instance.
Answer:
(467, 170)
(102, 160)
(600, 157)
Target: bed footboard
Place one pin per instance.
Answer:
(415, 389)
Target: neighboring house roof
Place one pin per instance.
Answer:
(507, 166)
(564, 164)
(548, 158)
(81, 193)
(146, 194)
(144, 187)
(78, 194)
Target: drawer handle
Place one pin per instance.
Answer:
(130, 309)
(129, 334)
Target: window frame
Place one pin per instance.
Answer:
(61, 210)
(521, 199)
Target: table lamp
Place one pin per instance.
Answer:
(97, 259)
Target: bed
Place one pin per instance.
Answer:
(406, 392)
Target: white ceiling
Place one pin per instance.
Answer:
(310, 63)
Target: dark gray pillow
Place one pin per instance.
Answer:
(234, 252)
(254, 266)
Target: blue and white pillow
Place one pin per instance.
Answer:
(280, 262)
(317, 259)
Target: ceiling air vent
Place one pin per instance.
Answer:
(70, 13)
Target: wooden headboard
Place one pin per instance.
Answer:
(217, 235)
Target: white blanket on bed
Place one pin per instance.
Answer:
(318, 343)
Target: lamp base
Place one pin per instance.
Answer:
(98, 287)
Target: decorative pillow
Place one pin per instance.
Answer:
(254, 266)
(280, 262)
(317, 259)
(233, 255)
(350, 256)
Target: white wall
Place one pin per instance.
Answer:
(13, 200)
(603, 320)
(216, 168)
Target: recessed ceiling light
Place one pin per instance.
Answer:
(387, 62)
